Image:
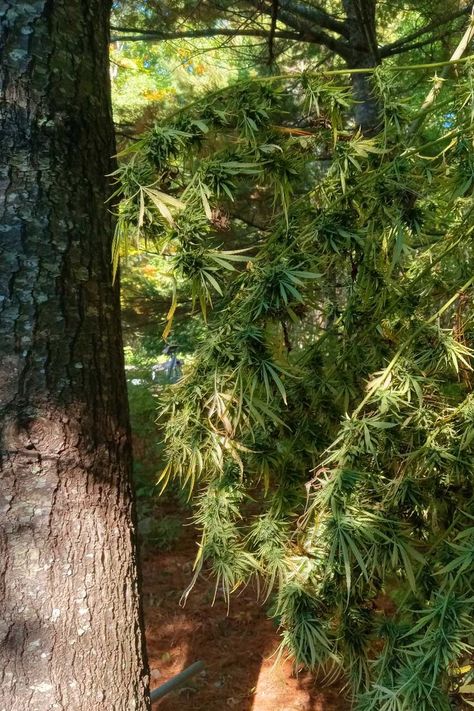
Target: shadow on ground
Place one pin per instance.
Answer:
(236, 645)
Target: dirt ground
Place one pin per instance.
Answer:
(237, 645)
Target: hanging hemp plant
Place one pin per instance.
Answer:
(325, 428)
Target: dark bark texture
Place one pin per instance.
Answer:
(363, 52)
(70, 624)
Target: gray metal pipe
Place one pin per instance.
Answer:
(176, 681)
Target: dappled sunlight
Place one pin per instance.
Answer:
(279, 688)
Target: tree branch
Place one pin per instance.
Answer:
(302, 34)
(420, 44)
(308, 33)
(397, 47)
(316, 15)
(303, 18)
(156, 36)
(439, 80)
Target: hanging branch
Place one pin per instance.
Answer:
(439, 80)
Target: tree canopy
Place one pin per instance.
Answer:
(397, 27)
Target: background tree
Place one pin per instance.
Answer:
(70, 625)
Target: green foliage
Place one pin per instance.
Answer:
(327, 418)
(157, 77)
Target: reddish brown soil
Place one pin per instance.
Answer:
(236, 645)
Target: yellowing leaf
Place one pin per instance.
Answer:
(156, 94)
(162, 200)
(170, 314)
(125, 62)
(141, 213)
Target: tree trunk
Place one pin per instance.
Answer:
(363, 53)
(70, 624)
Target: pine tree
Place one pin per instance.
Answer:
(71, 634)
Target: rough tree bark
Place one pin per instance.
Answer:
(70, 623)
(362, 53)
